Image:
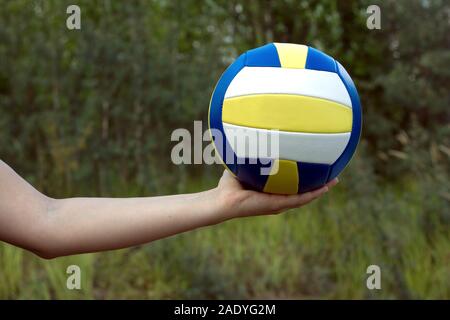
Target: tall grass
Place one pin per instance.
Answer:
(319, 251)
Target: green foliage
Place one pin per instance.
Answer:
(96, 105)
(90, 112)
(319, 251)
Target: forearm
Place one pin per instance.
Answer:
(78, 225)
(52, 228)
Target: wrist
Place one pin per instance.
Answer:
(216, 205)
(226, 203)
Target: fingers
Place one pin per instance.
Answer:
(226, 174)
(309, 196)
(294, 201)
(228, 180)
(333, 182)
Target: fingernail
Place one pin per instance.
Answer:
(325, 190)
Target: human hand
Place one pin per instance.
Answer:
(58, 227)
(236, 201)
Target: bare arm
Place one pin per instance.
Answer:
(57, 227)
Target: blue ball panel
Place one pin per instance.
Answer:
(317, 60)
(311, 175)
(215, 110)
(247, 173)
(265, 56)
(250, 175)
(345, 157)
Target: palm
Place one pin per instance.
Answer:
(248, 202)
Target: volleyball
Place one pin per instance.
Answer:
(297, 94)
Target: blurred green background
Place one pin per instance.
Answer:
(90, 113)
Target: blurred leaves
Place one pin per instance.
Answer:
(90, 112)
(85, 108)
